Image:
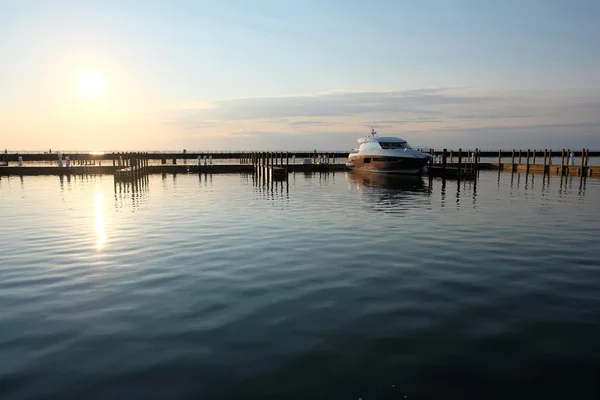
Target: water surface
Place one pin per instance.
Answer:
(330, 286)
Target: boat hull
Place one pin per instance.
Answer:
(387, 165)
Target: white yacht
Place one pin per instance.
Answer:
(386, 154)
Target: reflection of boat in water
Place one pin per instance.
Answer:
(388, 193)
(388, 155)
(411, 183)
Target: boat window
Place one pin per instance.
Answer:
(381, 159)
(370, 146)
(392, 145)
(367, 161)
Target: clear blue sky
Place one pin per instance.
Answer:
(186, 52)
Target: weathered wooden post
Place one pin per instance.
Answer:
(582, 162)
(431, 157)
(444, 155)
(587, 157)
(533, 157)
(512, 161)
(459, 160)
(527, 160)
(269, 163)
(520, 157)
(562, 161)
(287, 161)
(450, 156)
(476, 158)
(549, 159)
(545, 157)
(499, 159)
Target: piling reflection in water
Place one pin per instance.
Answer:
(270, 189)
(135, 190)
(529, 182)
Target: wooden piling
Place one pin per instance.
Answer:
(269, 163)
(527, 160)
(499, 159)
(444, 155)
(533, 157)
(520, 157)
(512, 161)
(545, 156)
(459, 160)
(587, 157)
(450, 156)
(582, 171)
(562, 160)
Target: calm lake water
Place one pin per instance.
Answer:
(332, 286)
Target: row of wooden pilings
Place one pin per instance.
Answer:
(468, 166)
(131, 165)
(547, 167)
(519, 159)
(268, 164)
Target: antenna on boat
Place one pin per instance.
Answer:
(373, 132)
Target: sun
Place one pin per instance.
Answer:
(91, 84)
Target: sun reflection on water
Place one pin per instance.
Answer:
(100, 221)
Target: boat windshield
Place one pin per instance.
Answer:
(394, 145)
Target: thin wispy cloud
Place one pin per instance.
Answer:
(429, 114)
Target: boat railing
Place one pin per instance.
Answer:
(423, 149)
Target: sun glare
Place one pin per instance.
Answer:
(91, 84)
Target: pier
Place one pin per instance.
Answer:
(131, 166)
(466, 163)
(463, 164)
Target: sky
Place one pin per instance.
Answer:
(292, 75)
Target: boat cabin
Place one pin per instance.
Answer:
(372, 143)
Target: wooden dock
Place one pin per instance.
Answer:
(461, 164)
(130, 167)
(520, 160)
(160, 169)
